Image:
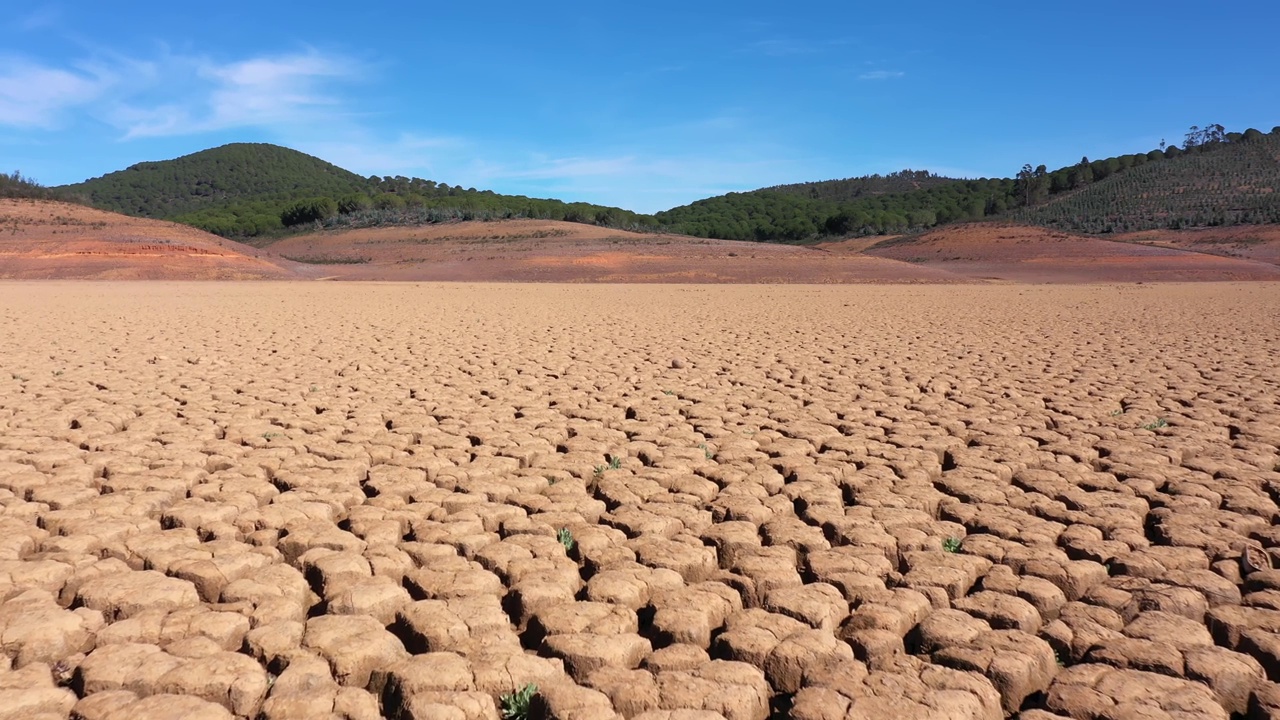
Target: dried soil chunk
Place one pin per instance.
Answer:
(230, 679)
(1001, 611)
(911, 690)
(818, 605)
(125, 706)
(355, 646)
(801, 655)
(30, 703)
(1099, 692)
(128, 666)
(584, 653)
(121, 595)
(33, 628)
(1017, 664)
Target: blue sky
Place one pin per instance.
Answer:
(644, 106)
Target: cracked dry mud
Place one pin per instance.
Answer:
(326, 501)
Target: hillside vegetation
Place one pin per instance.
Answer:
(1233, 183)
(1215, 178)
(14, 185)
(253, 190)
(259, 192)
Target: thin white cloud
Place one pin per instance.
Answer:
(882, 75)
(174, 94)
(264, 92)
(33, 95)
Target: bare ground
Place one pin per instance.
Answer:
(1017, 253)
(42, 240)
(335, 500)
(548, 251)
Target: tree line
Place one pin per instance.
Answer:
(803, 213)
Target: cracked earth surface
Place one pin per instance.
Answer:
(662, 503)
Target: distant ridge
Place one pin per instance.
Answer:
(258, 190)
(1216, 178)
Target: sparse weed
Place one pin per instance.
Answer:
(315, 388)
(1058, 659)
(515, 705)
(1117, 413)
(566, 539)
(613, 464)
(1159, 423)
(270, 435)
(706, 451)
(952, 545)
(668, 392)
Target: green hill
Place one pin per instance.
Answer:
(254, 190)
(1227, 183)
(1216, 178)
(16, 186)
(865, 186)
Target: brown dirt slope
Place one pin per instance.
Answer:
(1251, 242)
(547, 251)
(1029, 254)
(42, 240)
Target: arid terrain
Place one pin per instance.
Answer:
(42, 240)
(548, 251)
(658, 502)
(1019, 253)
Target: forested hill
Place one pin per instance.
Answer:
(248, 190)
(1233, 182)
(865, 186)
(1215, 178)
(216, 177)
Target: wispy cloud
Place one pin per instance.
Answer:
(264, 91)
(882, 75)
(174, 94)
(33, 95)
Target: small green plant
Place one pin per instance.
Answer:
(706, 451)
(566, 539)
(515, 705)
(1159, 423)
(315, 388)
(270, 435)
(1117, 413)
(1058, 659)
(615, 463)
(951, 545)
(668, 392)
